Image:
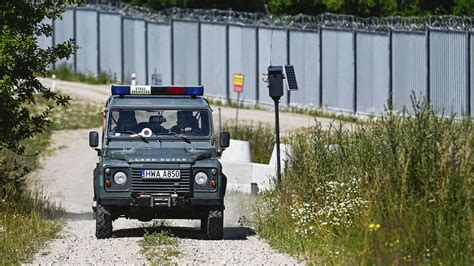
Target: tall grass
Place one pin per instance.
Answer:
(260, 136)
(64, 72)
(25, 213)
(398, 190)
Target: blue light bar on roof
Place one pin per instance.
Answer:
(157, 90)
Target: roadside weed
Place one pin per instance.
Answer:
(396, 190)
(159, 247)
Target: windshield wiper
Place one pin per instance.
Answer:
(134, 133)
(171, 133)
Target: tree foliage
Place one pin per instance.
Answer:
(315, 7)
(21, 60)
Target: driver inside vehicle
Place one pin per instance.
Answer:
(186, 123)
(126, 122)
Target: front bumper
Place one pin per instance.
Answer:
(163, 201)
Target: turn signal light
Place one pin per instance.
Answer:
(214, 183)
(108, 182)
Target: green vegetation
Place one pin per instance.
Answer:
(23, 214)
(64, 72)
(26, 217)
(397, 190)
(159, 247)
(316, 7)
(261, 138)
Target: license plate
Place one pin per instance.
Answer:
(161, 174)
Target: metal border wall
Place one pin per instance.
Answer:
(243, 47)
(373, 74)
(338, 70)
(213, 58)
(110, 45)
(304, 56)
(448, 72)
(159, 53)
(342, 63)
(87, 38)
(409, 68)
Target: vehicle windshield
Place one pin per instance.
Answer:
(131, 122)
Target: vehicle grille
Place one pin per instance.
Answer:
(161, 186)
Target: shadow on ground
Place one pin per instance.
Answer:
(230, 233)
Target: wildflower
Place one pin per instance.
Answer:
(2, 229)
(374, 227)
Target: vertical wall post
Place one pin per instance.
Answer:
(257, 61)
(122, 49)
(390, 69)
(98, 42)
(428, 65)
(172, 50)
(199, 54)
(320, 67)
(146, 52)
(469, 78)
(354, 47)
(227, 60)
(288, 60)
(74, 36)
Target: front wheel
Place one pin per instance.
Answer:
(215, 225)
(103, 223)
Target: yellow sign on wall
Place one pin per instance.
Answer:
(239, 82)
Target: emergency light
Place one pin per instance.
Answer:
(157, 90)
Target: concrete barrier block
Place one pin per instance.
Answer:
(238, 151)
(285, 152)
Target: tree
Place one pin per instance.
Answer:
(21, 60)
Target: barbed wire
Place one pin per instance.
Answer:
(326, 20)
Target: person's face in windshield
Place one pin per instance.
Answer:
(127, 121)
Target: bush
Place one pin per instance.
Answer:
(261, 138)
(394, 190)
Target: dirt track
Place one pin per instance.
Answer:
(67, 175)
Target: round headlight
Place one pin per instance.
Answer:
(201, 178)
(120, 177)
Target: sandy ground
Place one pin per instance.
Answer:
(67, 176)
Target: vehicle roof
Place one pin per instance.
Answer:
(165, 102)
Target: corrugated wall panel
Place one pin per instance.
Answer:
(272, 49)
(63, 31)
(409, 68)
(111, 45)
(43, 41)
(242, 56)
(159, 54)
(448, 72)
(185, 53)
(213, 59)
(304, 56)
(134, 50)
(86, 38)
(338, 70)
(372, 72)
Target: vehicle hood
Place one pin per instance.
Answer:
(162, 155)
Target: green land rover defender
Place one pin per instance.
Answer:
(158, 159)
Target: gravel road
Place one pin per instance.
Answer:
(288, 121)
(67, 176)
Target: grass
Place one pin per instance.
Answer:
(397, 190)
(159, 247)
(261, 137)
(27, 218)
(64, 72)
(316, 112)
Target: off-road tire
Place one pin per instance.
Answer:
(215, 225)
(103, 223)
(204, 224)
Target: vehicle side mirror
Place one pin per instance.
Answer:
(224, 140)
(93, 139)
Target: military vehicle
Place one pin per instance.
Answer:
(158, 159)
